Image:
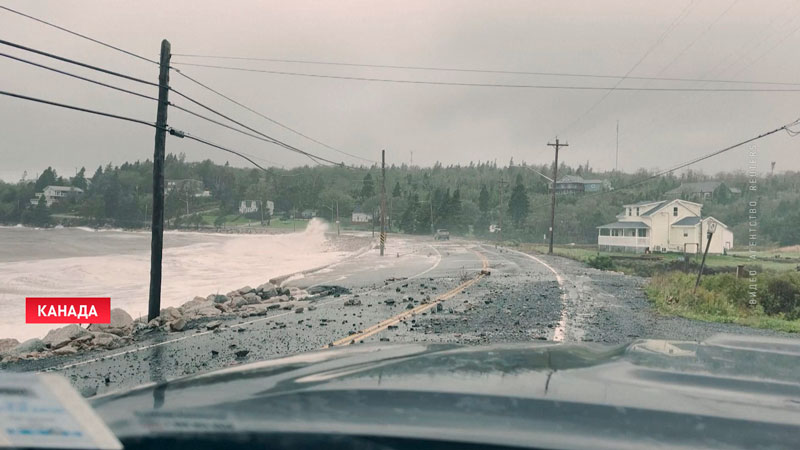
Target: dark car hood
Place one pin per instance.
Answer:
(727, 391)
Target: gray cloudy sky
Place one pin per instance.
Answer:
(709, 39)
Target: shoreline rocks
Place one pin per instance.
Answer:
(198, 313)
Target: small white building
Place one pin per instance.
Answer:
(54, 194)
(361, 217)
(251, 206)
(663, 226)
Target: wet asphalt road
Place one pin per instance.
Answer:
(524, 298)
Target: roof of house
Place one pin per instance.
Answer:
(592, 181)
(690, 221)
(697, 187)
(648, 202)
(655, 208)
(625, 225)
(65, 188)
(571, 179)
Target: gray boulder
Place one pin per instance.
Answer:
(106, 340)
(29, 346)
(177, 325)
(7, 344)
(219, 298)
(246, 290)
(121, 323)
(238, 302)
(267, 290)
(62, 336)
(169, 314)
(65, 350)
(251, 298)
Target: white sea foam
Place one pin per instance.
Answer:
(208, 263)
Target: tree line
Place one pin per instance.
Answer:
(465, 199)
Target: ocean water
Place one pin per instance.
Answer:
(81, 262)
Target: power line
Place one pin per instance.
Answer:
(694, 161)
(269, 118)
(490, 85)
(79, 35)
(69, 74)
(658, 42)
(77, 108)
(83, 36)
(77, 63)
(269, 138)
(130, 119)
(467, 70)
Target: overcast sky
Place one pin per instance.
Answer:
(702, 39)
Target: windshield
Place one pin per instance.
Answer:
(188, 187)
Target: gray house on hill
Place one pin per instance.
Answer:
(701, 190)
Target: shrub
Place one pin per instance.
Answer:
(601, 262)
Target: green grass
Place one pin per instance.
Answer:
(720, 298)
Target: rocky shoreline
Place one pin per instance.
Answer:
(200, 313)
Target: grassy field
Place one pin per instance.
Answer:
(765, 259)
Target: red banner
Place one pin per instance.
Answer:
(68, 310)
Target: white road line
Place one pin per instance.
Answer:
(560, 330)
(262, 319)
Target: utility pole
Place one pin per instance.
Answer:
(157, 227)
(261, 207)
(383, 200)
(712, 226)
(502, 183)
(557, 145)
(338, 229)
(616, 158)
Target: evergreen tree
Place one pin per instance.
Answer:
(483, 199)
(47, 178)
(396, 192)
(368, 187)
(518, 203)
(79, 180)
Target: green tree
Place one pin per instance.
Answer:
(397, 192)
(518, 204)
(483, 199)
(79, 180)
(47, 178)
(368, 187)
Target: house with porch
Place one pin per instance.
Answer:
(663, 226)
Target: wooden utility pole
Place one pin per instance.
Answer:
(157, 228)
(616, 157)
(383, 200)
(557, 145)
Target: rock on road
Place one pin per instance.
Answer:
(422, 290)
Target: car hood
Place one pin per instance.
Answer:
(729, 390)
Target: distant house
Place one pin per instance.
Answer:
(360, 216)
(53, 194)
(662, 226)
(252, 206)
(701, 190)
(308, 213)
(575, 184)
(189, 185)
(248, 206)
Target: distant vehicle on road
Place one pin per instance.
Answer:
(442, 235)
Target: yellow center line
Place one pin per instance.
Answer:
(412, 312)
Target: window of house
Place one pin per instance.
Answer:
(637, 211)
(642, 232)
(616, 232)
(630, 232)
(604, 232)
(685, 234)
(629, 211)
(675, 211)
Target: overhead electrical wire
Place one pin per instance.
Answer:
(187, 77)
(77, 63)
(62, 72)
(78, 34)
(616, 86)
(490, 85)
(486, 71)
(286, 127)
(693, 161)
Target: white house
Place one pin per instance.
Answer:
(663, 226)
(53, 194)
(360, 216)
(251, 206)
